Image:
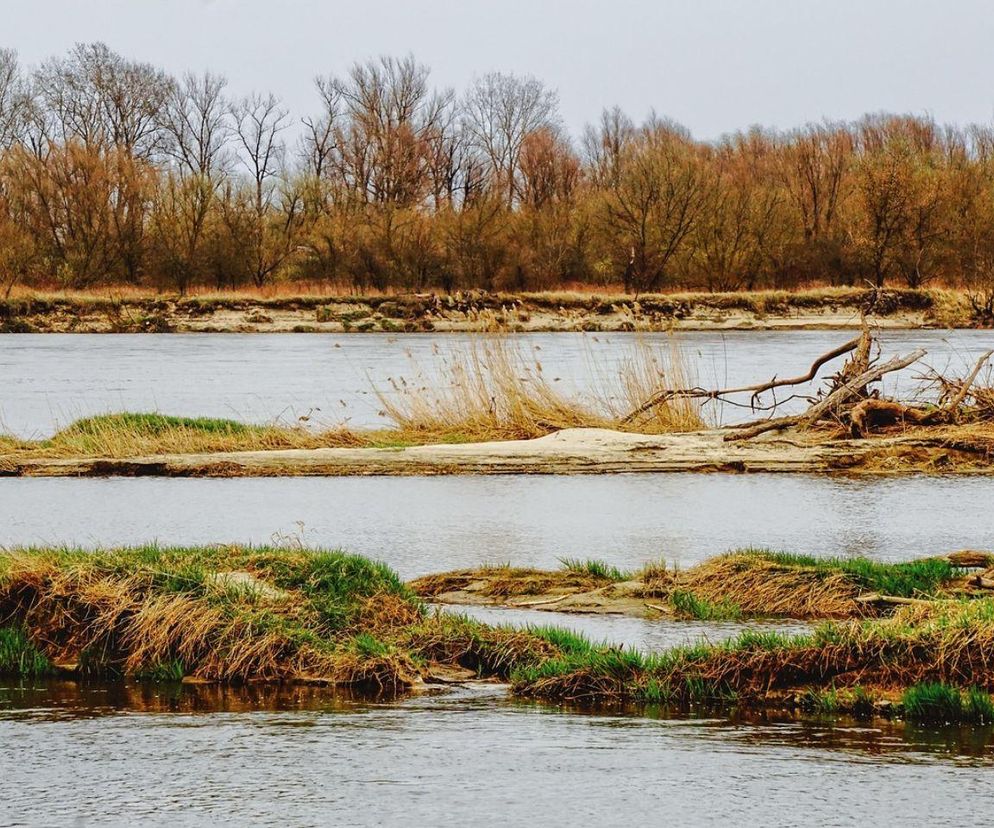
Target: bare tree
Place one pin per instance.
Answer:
(197, 120)
(274, 205)
(390, 115)
(99, 98)
(661, 190)
(15, 100)
(501, 111)
(604, 145)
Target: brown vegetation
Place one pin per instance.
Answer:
(748, 583)
(113, 173)
(233, 615)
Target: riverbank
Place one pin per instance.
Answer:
(478, 311)
(236, 615)
(753, 584)
(230, 614)
(949, 449)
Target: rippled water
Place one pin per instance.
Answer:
(420, 525)
(190, 756)
(51, 379)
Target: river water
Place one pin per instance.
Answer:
(471, 756)
(47, 380)
(120, 754)
(421, 525)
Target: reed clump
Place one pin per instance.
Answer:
(234, 614)
(495, 389)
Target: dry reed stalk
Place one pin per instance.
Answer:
(494, 389)
(762, 587)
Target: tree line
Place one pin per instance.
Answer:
(113, 172)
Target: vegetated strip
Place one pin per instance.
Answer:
(854, 666)
(747, 583)
(231, 614)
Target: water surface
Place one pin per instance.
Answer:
(47, 380)
(109, 756)
(428, 524)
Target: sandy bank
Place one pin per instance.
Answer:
(571, 451)
(477, 311)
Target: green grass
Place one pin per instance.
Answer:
(565, 640)
(938, 703)
(171, 670)
(906, 579)
(19, 656)
(932, 703)
(597, 568)
(153, 424)
(689, 605)
(978, 708)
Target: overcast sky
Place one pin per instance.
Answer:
(713, 65)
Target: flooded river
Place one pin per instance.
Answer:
(47, 380)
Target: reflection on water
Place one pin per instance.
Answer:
(51, 379)
(421, 525)
(196, 755)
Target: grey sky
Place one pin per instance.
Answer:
(713, 65)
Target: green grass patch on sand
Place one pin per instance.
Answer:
(596, 568)
(905, 579)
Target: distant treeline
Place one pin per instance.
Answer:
(112, 172)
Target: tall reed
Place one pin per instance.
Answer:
(497, 388)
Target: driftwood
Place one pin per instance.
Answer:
(872, 413)
(831, 402)
(660, 397)
(847, 399)
(877, 598)
(971, 559)
(541, 602)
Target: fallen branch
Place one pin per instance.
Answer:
(957, 400)
(877, 598)
(665, 395)
(541, 602)
(840, 395)
(658, 608)
(873, 413)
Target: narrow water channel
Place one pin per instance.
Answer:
(49, 380)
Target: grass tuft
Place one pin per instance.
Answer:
(596, 568)
(688, 605)
(19, 656)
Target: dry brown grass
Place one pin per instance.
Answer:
(761, 587)
(494, 389)
(141, 612)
